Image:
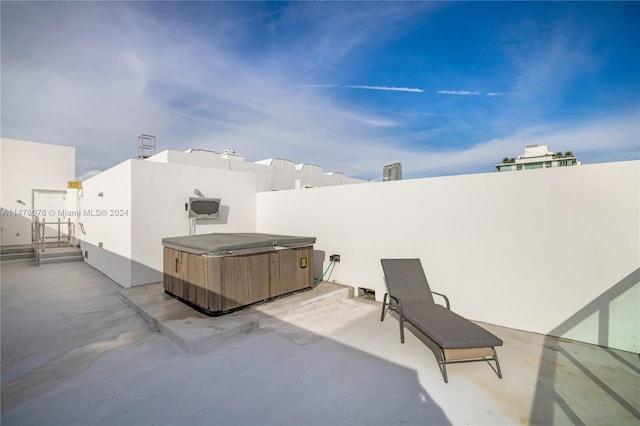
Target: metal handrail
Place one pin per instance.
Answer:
(37, 241)
(40, 238)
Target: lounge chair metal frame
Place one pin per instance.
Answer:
(456, 355)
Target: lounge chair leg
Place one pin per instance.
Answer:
(444, 368)
(384, 305)
(401, 315)
(495, 358)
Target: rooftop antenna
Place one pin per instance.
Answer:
(146, 146)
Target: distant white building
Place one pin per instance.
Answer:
(537, 157)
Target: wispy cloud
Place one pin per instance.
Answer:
(542, 69)
(365, 87)
(206, 96)
(139, 73)
(458, 92)
(336, 29)
(468, 93)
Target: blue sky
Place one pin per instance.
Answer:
(443, 88)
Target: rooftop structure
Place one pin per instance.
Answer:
(34, 179)
(392, 172)
(538, 157)
(146, 146)
(119, 215)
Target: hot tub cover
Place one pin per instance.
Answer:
(230, 244)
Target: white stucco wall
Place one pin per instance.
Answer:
(25, 166)
(525, 250)
(160, 192)
(107, 221)
(143, 202)
(153, 193)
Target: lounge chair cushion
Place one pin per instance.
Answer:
(448, 329)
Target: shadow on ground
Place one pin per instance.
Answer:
(73, 353)
(611, 377)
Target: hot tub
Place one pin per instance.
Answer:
(222, 272)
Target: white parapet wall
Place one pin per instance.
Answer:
(26, 167)
(128, 209)
(106, 215)
(160, 192)
(553, 251)
(131, 207)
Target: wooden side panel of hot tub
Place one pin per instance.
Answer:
(172, 276)
(195, 279)
(192, 278)
(291, 270)
(220, 284)
(245, 279)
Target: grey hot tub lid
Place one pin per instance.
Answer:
(229, 244)
(280, 240)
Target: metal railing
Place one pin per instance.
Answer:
(60, 239)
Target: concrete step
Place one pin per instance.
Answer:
(23, 248)
(193, 331)
(60, 259)
(16, 252)
(60, 254)
(19, 255)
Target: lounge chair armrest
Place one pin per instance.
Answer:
(446, 299)
(395, 299)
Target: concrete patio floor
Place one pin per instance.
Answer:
(73, 353)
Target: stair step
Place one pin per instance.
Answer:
(60, 259)
(18, 255)
(60, 252)
(26, 248)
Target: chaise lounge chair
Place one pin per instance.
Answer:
(456, 338)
